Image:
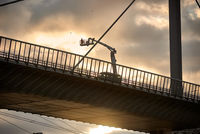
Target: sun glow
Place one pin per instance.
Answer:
(102, 130)
(68, 41)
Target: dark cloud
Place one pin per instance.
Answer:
(191, 55)
(191, 20)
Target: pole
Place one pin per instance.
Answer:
(175, 42)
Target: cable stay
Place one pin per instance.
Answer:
(73, 127)
(31, 121)
(53, 123)
(198, 4)
(104, 34)
(8, 3)
(22, 129)
(54, 126)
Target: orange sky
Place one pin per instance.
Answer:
(141, 37)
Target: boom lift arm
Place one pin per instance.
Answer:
(92, 41)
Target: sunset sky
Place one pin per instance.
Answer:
(141, 37)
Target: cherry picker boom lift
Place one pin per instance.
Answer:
(105, 75)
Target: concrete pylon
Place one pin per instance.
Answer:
(175, 45)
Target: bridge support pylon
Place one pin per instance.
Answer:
(175, 43)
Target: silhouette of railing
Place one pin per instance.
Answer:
(63, 62)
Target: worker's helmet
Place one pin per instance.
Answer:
(82, 41)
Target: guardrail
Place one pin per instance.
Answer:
(20, 51)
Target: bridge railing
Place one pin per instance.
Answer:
(62, 61)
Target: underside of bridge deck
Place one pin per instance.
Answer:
(72, 97)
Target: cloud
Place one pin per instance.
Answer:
(191, 55)
(141, 37)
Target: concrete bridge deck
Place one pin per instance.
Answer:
(142, 101)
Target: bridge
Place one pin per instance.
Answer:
(41, 80)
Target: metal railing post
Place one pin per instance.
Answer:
(61, 66)
(65, 63)
(122, 74)
(29, 52)
(82, 66)
(186, 88)
(52, 58)
(167, 85)
(70, 58)
(132, 82)
(163, 85)
(99, 67)
(103, 67)
(56, 59)
(47, 58)
(0, 41)
(90, 67)
(86, 65)
(95, 62)
(20, 45)
(194, 92)
(143, 79)
(157, 82)
(34, 54)
(150, 81)
(4, 49)
(9, 49)
(74, 61)
(136, 77)
(198, 93)
(107, 67)
(43, 62)
(24, 56)
(15, 47)
(125, 74)
(129, 75)
(183, 87)
(189, 91)
(38, 57)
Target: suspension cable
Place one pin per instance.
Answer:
(104, 34)
(198, 3)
